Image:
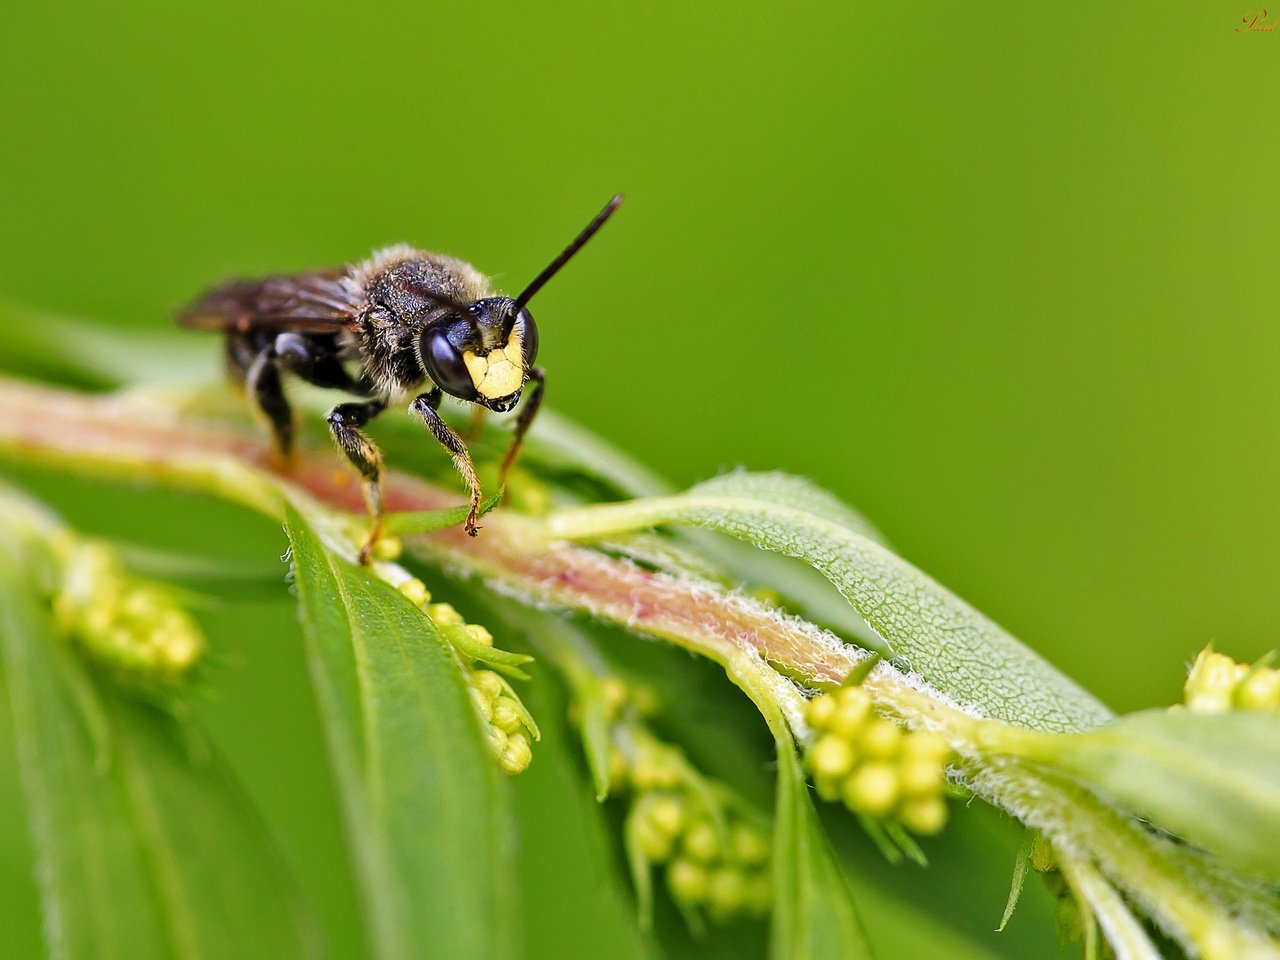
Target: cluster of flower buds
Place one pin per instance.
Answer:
(874, 766)
(135, 629)
(715, 860)
(1217, 684)
(508, 725)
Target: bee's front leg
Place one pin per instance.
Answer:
(345, 421)
(533, 400)
(425, 407)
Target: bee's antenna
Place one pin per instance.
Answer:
(554, 266)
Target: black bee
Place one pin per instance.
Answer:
(381, 329)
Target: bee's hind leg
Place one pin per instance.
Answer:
(345, 421)
(425, 406)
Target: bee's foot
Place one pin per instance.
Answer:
(370, 541)
(470, 525)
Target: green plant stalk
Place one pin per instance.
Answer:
(117, 436)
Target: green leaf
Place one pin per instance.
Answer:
(428, 814)
(813, 912)
(931, 631)
(70, 348)
(145, 847)
(1212, 780)
(429, 521)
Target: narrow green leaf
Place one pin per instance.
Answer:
(813, 912)
(1212, 780)
(427, 812)
(429, 521)
(1020, 867)
(145, 848)
(931, 631)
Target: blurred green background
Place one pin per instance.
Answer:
(1002, 276)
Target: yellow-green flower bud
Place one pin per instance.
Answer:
(831, 757)
(749, 845)
(517, 755)
(701, 842)
(1212, 681)
(445, 615)
(921, 776)
(666, 814)
(853, 710)
(821, 711)
(479, 634)
(689, 882)
(872, 789)
(416, 591)
(654, 770)
(387, 547)
(925, 815)
(728, 892)
(506, 715)
(1260, 690)
(614, 694)
(488, 683)
(881, 738)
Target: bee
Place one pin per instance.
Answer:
(402, 323)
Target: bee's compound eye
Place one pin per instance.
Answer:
(528, 337)
(445, 366)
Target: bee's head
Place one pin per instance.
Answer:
(482, 354)
(482, 351)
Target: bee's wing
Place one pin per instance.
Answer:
(318, 302)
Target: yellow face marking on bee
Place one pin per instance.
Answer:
(500, 372)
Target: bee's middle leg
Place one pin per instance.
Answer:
(262, 380)
(345, 421)
(425, 407)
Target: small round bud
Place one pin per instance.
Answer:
(517, 755)
(728, 891)
(140, 606)
(854, 709)
(1043, 859)
(182, 649)
(666, 814)
(655, 844)
(387, 547)
(415, 590)
(926, 745)
(444, 615)
(488, 683)
(921, 776)
(1259, 691)
(872, 789)
(614, 693)
(828, 789)
(881, 738)
(749, 845)
(924, 815)
(821, 711)
(831, 757)
(653, 771)
(688, 881)
(506, 715)
(701, 842)
(479, 634)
